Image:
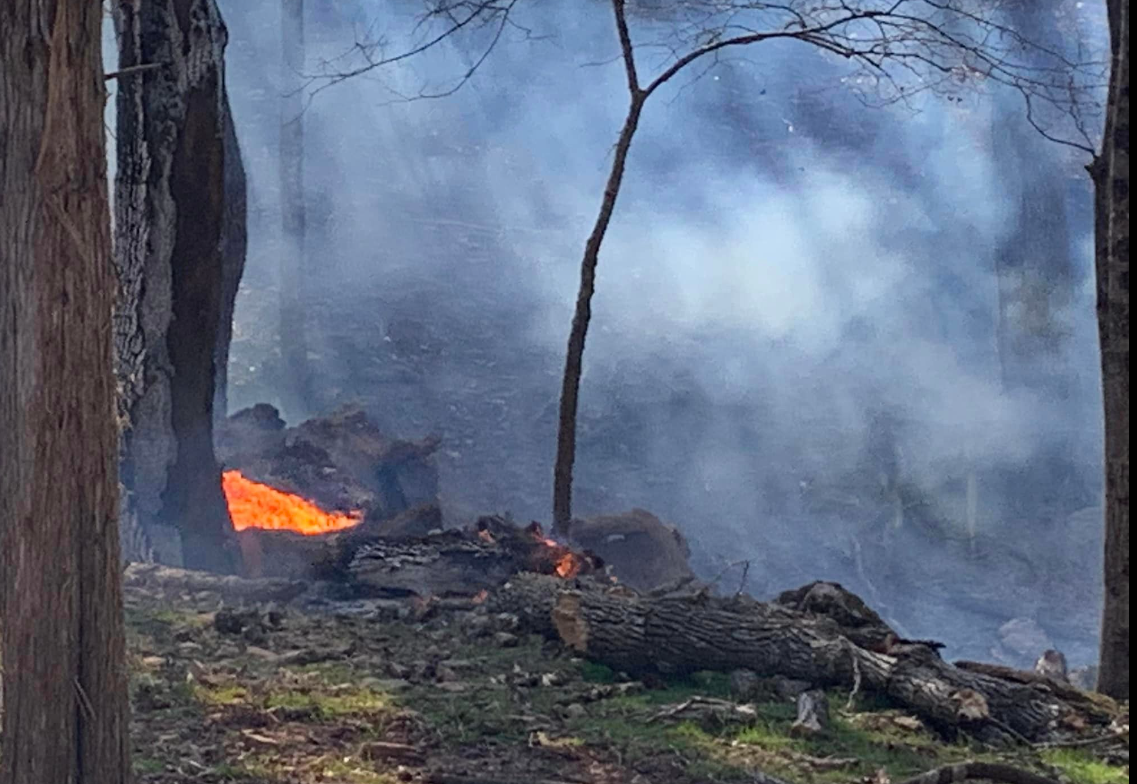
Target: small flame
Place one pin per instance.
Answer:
(481, 596)
(568, 566)
(254, 505)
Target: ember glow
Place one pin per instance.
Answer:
(254, 505)
(568, 566)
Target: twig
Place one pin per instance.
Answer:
(714, 581)
(1080, 742)
(133, 69)
(742, 580)
(856, 676)
(84, 700)
(459, 778)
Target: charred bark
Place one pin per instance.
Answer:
(234, 245)
(678, 634)
(179, 252)
(1110, 173)
(64, 683)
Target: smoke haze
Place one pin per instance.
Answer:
(795, 350)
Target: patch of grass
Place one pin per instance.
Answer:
(147, 764)
(250, 770)
(1082, 768)
(351, 703)
(351, 771)
(480, 715)
(597, 673)
(220, 695)
(332, 671)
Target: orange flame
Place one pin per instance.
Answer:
(253, 505)
(568, 566)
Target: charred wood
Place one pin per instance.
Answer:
(812, 713)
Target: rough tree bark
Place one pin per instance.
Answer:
(293, 280)
(179, 207)
(64, 689)
(1110, 173)
(676, 634)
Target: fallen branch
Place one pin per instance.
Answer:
(992, 771)
(132, 69)
(169, 578)
(459, 778)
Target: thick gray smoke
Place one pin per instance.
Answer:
(798, 350)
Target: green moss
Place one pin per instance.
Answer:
(1081, 768)
(220, 695)
(351, 703)
(147, 764)
(597, 673)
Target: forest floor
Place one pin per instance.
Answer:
(280, 696)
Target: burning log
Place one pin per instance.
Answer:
(337, 462)
(255, 505)
(644, 552)
(462, 563)
(673, 634)
(455, 562)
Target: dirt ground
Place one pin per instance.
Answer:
(378, 694)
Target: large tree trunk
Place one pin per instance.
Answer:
(1111, 183)
(179, 211)
(64, 678)
(675, 634)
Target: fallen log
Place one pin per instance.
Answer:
(155, 577)
(396, 558)
(681, 634)
(968, 771)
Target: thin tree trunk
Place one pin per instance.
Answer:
(570, 385)
(1111, 181)
(64, 680)
(293, 280)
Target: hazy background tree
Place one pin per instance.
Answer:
(902, 48)
(64, 668)
(295, 275)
